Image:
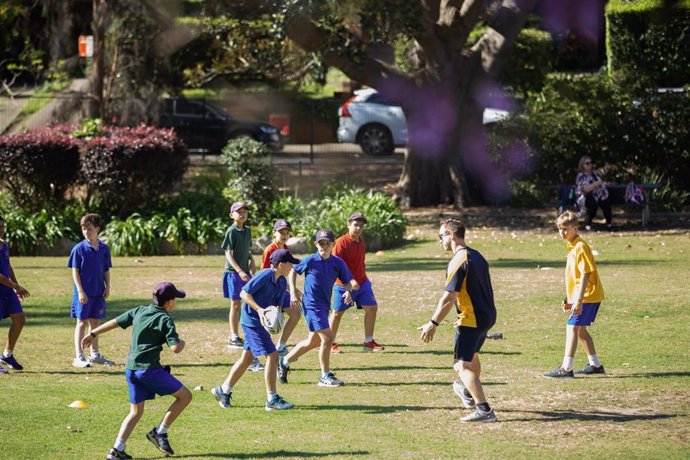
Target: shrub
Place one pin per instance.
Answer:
(37, 167)
(251, 173)
(126, 169)
(27, 232)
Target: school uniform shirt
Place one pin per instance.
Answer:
(581, 260)
(266, 291)
(468, 274)
(152, 327)
(319, 276)
(239, 242)
(266, 256)
(5, 267)
(92, 264)
(353, 253)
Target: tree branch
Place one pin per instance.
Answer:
(456, 20)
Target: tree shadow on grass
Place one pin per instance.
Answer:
(374, 409)
(593, 416)
(278, 454)
(650, 375)
(413, 383)
(85, 372)
(394, 368)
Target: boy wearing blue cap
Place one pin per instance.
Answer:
(268, 287)
(320, 272)
(90, 263)
(10, 304)
(152, 326)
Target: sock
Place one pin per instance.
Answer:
(80, 356)
(162, 429)
(369, 338)
(270, 395)
(7, 353)
(484, 407)
(234, 336)
(324, 374)
(95, 353)
(594, 360)
(568, 363)
(119, 444)
(226, 388)
(282, 345)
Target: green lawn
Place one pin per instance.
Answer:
(395, 404)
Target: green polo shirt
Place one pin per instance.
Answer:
(152, 327)
(239, 242)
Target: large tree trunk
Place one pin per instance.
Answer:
(96, 104)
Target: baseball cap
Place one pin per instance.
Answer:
(283, 255)
(357, 216)
(237, 206)
(281, 224)
(166, 291)
(324, 234)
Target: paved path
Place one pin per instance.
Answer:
(11, 106)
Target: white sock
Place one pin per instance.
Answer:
(226, 388)
(282, 345)
(95, 353)
(270, 395)
(369, 338)
(234, 336)
(568, 363)
(594, 360)
(119, 444)
(7, 353)
(162, 429)
(80, 356)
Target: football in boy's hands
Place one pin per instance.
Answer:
(272, 319)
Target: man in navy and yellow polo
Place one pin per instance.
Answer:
(468, 290)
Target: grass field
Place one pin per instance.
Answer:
(395, 404)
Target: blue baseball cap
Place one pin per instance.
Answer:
(282, 255)
(237, 206)
(357, 216)
(281, 224)
(324, 234)
(166, 291)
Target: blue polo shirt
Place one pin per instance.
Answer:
(468, 274)
(266, 291)
(319, 276)
(5, 266)
(92, 264)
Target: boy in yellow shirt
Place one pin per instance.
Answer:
(584, 295)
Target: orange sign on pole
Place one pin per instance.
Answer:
(85, 45)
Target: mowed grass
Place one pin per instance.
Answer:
(395, 404)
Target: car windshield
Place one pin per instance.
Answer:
(376, 98)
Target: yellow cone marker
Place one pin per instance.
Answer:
(78, 404)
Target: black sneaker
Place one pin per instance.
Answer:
(11, 362)
(589, 370)
(235, 343)
(115, 454)
(559, 373)
(283, 371)
(160, 441)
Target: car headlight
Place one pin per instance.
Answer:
(268, 129)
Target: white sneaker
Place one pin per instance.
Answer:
(256, 366)
(480, 416)
(80, 361)
(100, 359)
(459, 390)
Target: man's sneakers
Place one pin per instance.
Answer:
(480, 416)
(81, 362)
(160, 441)
(256, 366)
(372, 346)
(335, 348)
(463, 394)
(235, 343)
(115, 454)
(283, 351)
(590, 370)
(224, 399)
(278, 403)
(329, 380)
(100, 359)
(559, 373)
(283, 370)
(3, 370)
(11, 362)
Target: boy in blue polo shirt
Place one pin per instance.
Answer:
(152, 326)
(90, 263)
(320, 272)
(10, 304)
(268, 287)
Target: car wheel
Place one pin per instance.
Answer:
(376, 140)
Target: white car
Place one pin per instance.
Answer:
(378, 124)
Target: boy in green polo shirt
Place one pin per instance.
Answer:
(152, 326)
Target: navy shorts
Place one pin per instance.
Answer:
(317, 320)
(468, 341)
(232, 285)
(258, 341)
(9, 302)
(145, 384)
(362, 297)
(586, 316)
(94, 308)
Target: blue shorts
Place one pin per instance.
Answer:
(317, 320)
(145, 384)
(94, 308)
(9, 302)
(362, 297)
(586, 316)
(258, 341)
(468, 341)
(286, 301)
(232, 285)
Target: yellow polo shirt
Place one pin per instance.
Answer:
(581, 260)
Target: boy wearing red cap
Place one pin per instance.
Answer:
(152, 326)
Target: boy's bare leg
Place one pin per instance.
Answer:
(334, 321)
(234, 317)
(239, 368)
(571, 334)
(128, 424)
(587, 341)
(18, 320)
(312, 341)
(326, 336)
(182, 399)
(270, 372)
(78, 335)
(93, 324)
(369, 319)
(469, 373)
(294, 314)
